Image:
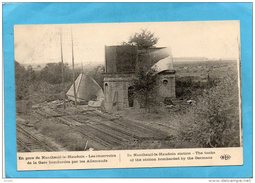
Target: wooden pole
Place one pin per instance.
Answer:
(62, 71)
(74, 88)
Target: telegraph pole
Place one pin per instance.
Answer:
(74, 88)
(62, 71)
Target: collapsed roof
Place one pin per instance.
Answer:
(86, 89)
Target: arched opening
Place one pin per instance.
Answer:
(131, 96)
(165, 81)
(105, 88)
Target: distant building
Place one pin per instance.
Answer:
(121, 64)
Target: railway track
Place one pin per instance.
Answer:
(28, 142)
(100, 138)
(103, 132)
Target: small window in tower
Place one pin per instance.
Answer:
(106, 87)
(165, 82)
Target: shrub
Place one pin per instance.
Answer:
(144, 89)
(52, 73)
(215, 117)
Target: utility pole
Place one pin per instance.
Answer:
(74, 88)
(62, 71)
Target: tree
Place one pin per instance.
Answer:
(145, 80)
(21, 81)
(31, 73)
(51, 73)
(144, 88)
(143, 40)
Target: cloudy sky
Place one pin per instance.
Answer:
(35, 44)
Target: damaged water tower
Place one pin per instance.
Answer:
(122, 62)
(120, 66)
(165, 79)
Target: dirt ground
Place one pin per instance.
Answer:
(85, 128)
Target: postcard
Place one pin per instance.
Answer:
(128, 95)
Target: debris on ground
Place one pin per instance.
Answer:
(72, 126)
(191, 102)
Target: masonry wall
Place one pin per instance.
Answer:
(116, 92)
(166, 86)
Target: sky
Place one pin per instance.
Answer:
(37, 44)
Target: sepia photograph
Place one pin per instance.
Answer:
(127, 86)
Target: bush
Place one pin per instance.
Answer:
(144, 89)
(23, 79)
(214, 120)
(40, 86)
(52, 73)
